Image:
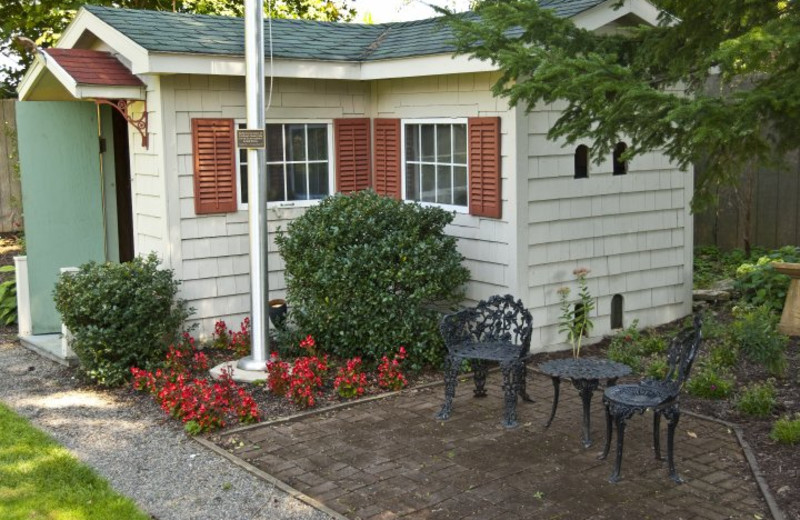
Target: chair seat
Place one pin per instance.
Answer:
(489, 350)
(639, 396)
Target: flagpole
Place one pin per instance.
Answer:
(256, 188)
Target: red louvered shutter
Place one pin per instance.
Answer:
(352, 154)
(214, 150)
(387, 157)
(483, 135)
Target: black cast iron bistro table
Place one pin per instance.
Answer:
(585, 374)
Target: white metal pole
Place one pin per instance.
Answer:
(256, 187)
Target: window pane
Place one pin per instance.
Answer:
(443, 143)
(460, 144)
(428, 183)
(295, 142)
(412, 181)
(412, 142)
(275, 190)
(460, 185)
(243, 182)
(317, 142)
(296, 177)
(318, 180)
(444, 187)
(427, 142)
(274, 143)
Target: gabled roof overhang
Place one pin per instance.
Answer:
(89, 31)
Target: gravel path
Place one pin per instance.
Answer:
(142, 455)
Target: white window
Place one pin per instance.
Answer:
(435, 162)
(299, 163)
(241, 168)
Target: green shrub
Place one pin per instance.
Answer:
(8, 297)
(709, 382)
(120, 316)
(657, 369)
(360, 271)
(652, 345)
(724, 354)
(756, 333)
(711, 265)
(786, 430)
(757, 399)
(759, 282)
(624, 347)
(713, 328)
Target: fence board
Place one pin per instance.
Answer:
(775, 220)
(10, 190)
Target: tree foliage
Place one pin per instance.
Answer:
(44, 20)
(651, 85)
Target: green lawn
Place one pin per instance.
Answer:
(41, 480)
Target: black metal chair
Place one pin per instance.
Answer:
(498, 329)
(661, 396)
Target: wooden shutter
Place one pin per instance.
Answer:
(387, 157)
(352, 154)
(483, 136)
(214, 149)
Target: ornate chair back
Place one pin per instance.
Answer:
(681, 355)
(500, 318)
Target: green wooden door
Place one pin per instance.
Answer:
(62, 195)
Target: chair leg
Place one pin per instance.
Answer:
(673, 415)
(657, 434)
(521, 376)
(615, 476)
(479, 369)
(510, 394)
(450, 381)
(609, 433)
(556, 386)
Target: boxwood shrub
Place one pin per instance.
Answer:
(120, 316)
(362, 271)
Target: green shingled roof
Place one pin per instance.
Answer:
(181, 33)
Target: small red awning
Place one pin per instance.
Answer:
(90, 67)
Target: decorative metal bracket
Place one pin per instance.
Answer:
(122, 105)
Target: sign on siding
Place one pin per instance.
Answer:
(251, 138)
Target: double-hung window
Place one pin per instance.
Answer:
(298, 163)
(435, 162)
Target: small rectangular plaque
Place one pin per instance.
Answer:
(250, 138)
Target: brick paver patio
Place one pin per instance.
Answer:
(390, 458)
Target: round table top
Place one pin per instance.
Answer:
(585, 368)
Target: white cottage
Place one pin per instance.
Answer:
(350, 106)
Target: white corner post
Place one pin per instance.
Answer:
(256, 188)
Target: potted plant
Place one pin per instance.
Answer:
(575, 319)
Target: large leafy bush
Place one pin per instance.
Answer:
(361, 269)
(120, 316)
(761, 284)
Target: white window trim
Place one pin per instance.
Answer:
(243, 206)
(442, 120)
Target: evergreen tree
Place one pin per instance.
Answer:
(715, 81)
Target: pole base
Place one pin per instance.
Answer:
(248, 363)
(237, 374)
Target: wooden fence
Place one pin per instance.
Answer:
(10, 191)
(775, 212)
